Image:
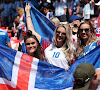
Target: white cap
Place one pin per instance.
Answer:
(98, 4)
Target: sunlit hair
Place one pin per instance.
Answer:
(80, 43)
(39, 51)
(21, 10)
(68, 43)
(55, 20)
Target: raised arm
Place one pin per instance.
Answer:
(29, 22)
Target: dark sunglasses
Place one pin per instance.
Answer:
(86, 29)
(58, 32)
(30, 43)
(75, 25)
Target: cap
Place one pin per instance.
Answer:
(98, 4)
(74, 17)
(83, 75)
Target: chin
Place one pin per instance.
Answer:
(32, 51)
(85, 37)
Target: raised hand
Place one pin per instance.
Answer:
(27, 7)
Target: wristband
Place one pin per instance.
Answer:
(28, 16)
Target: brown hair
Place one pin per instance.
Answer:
(39, 52)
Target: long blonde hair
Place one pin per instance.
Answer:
(80, 44)
(67, 47)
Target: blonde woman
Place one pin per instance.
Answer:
(87, 40)
(20, 14)
(60, 51)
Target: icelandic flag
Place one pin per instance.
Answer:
(20, 71)
(42, 25)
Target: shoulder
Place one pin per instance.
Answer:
(2, 32)
(50, 47)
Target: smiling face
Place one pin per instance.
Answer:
(31, 46)
(60, 36)
(85, 31)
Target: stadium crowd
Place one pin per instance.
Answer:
(77, 29)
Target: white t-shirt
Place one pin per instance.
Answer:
(21, 20)
(75, 40)
(56, 57)
(59, 8)
(88, 9)
(49, 15)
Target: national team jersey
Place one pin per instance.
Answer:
(89, 48)
(4, 38)
(54, 55)
(49, 15)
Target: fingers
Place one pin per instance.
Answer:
(26, 3)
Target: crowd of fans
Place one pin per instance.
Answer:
(72, 40)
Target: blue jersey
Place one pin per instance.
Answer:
(4, 38)
(89, 48)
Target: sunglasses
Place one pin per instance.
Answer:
(62, 33)
(86, 29)
(30, 43)
(75, 25)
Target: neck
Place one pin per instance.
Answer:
(59, 45)
(31, 54)
(85, 41)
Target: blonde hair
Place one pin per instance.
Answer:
(80, 43)
(55, 20)
(67, 47)
(21, 10)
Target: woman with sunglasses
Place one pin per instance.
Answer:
(87, 40)
(60, 51)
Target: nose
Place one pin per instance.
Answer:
(60, 34)
(30, 45)
(83, 31)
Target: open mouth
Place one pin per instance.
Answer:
(59, 39)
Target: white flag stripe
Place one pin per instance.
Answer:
(16, 67)
(13, 81)
(33, 74)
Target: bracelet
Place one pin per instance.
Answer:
(28, 16)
